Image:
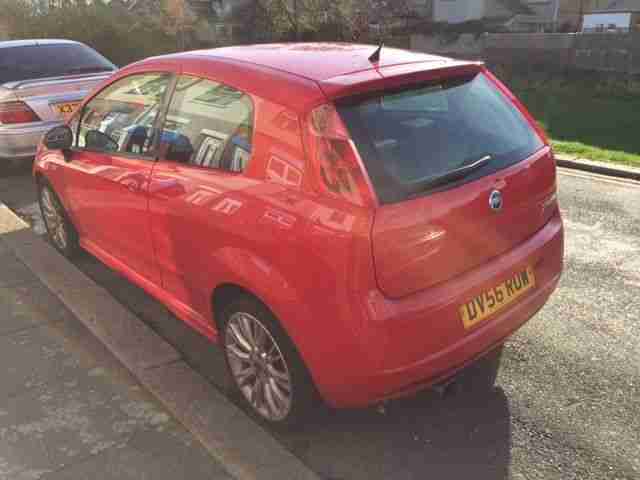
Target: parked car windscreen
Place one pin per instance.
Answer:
(55, 60)
(407, 138)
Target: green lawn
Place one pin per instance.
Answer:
(587, 123)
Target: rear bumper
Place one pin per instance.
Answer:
(21, 141)
(444, 364)
(425, 341)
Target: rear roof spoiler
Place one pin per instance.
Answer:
(394, 76)
(58, 80)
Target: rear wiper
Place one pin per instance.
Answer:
(427, 183)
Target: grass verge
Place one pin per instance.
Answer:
(587, 120)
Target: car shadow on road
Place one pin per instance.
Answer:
(456, 436)
(424, 436)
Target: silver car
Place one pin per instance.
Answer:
(41, 82)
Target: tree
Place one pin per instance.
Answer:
(296, 18)
(180, 21)
(118, 33)
(16, 16)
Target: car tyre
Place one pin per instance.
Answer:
(60, 230)
(267, 372)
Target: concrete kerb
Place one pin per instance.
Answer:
(609, 169)
(245, 449)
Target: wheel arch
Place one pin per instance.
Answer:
(225, 293)
(314, 332)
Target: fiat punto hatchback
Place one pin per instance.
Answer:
(348, 222)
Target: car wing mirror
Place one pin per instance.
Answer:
(59, 138)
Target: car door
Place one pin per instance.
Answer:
(108, 175)
(198, 190)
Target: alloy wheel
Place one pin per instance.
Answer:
(258, 366)
(54, 218)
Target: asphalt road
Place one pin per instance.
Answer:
(567, 402)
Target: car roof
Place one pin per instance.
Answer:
(317, 61)
(35, 43)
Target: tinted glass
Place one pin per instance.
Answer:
(428, 131)
(25, 63)
(121, 118)
(208, 124)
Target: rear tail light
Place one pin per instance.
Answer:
(16, 112)
(338, 166)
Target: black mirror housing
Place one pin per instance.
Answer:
(59, 138)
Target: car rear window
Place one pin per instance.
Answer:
(40, 61)
(427, 131)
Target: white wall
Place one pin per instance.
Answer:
(458, 11)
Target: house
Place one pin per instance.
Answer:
(461, 11)
(619, 16)
(516, 15)
(236, 20)
(383, 15)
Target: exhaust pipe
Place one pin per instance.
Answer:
(445, 387)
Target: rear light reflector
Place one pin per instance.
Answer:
(16, 112)
(339, 169)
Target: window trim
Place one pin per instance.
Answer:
(164, 112)
(152, 154)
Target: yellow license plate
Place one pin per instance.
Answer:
(66, 109)
(491, 301)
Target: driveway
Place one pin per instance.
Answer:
(567, 404)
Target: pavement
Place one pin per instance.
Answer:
(567, 405)
(68, 409)
(236, 447)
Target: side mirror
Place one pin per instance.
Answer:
(59, 138)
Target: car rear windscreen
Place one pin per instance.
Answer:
(426, 132)
(41, 61)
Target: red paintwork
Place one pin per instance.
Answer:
(95, 181)
(320, 61)
(423, 242)
(310, 257)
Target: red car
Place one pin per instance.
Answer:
(347, 222)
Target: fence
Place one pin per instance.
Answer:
(608, 52)
(599, 52)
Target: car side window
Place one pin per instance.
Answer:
(208, 124)
(121, 117)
